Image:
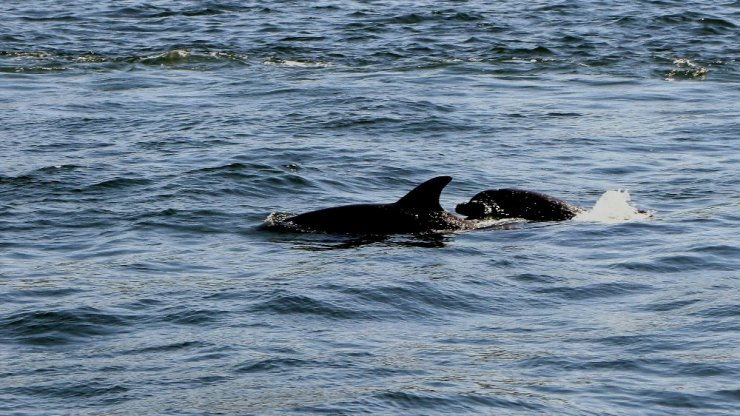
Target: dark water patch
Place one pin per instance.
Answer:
(144, 11)
(33, 181)
(251, 179)
(163, 267)
(167, 212)
(303, 38)
(385, 371)
(733, 395)
(286, 303)
(115, 184)
(563, 114)
(535, 278)
(669, 305)
(421, 400)
(166, 348)
(180, 127)
(407, 19)
(620, 170)
(195, 317)
(92, 389)
(638, 344)
(73, 222)
(716, 326)
(397, 115)
(141, 304)
(663, 367)
(429, 401)
(422, 300)
(45, 17)
(205, 381)
(76, 144)
(209, 356)
(272, 365)
(200, 222)
(37, 295)
(362, 121)
(701, 23)
(238, 170)
(719, 250)
(676, 263)
(328, 242)
(451, 14)
(232, 294)
(722, 311)
(61, 327)
(439, 16)
(678, 400)
(597, 290)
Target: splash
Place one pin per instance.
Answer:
(612, 207)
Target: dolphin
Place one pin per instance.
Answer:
(417, 212)
(516, 203)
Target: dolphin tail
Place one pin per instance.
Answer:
(426, 195)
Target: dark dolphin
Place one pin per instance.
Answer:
(516, 203)
(418, 211)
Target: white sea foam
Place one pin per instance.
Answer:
(613, 206)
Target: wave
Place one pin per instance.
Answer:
(283, 303)
(58, 327)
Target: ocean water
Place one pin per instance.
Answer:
(143, 145)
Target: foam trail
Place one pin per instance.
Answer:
(613, 206)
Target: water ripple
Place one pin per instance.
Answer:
(283, 303)
(59, 327)
(597, 290)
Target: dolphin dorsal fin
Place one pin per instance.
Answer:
(426, 195)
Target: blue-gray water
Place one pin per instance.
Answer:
(142, 144)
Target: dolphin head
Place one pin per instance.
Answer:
(475, 209)
(484, 205)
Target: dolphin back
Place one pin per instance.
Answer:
(418, 211)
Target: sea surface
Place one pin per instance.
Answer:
(143, 144)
